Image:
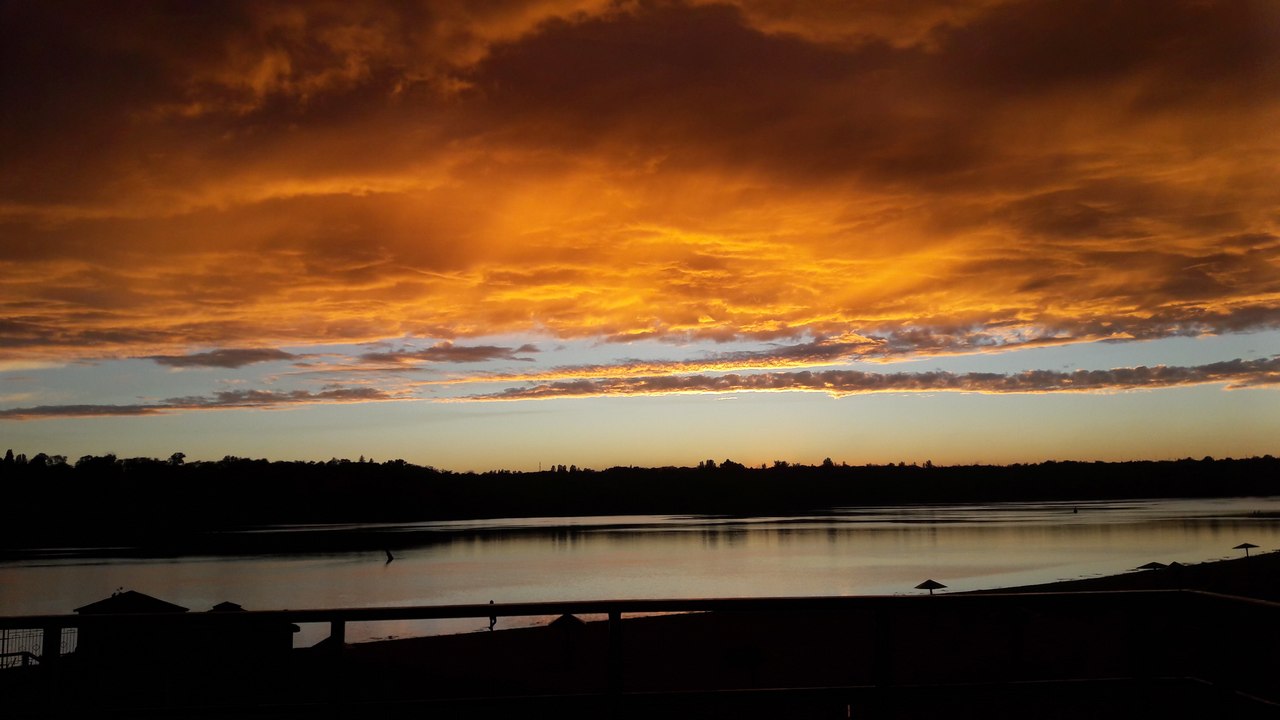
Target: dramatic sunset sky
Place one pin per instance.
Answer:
(485, 235)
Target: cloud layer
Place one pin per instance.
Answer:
(224, 358)
(933, 177)
(225, 400)
(447, 352)
(1235, 374)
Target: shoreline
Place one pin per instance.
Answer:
(1256, 577)
(991, 636)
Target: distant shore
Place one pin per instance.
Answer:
(180, 507)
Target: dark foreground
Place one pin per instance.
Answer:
(1125, 647)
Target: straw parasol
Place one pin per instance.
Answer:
(930, 585)
(1245, 547)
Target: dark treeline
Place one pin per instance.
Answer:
(106, 499)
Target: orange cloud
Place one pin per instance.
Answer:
(937, 177)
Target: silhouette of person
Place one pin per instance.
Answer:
(493, 619)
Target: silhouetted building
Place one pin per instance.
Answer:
(128, 640)
(570, 629)
(129, 601)
(246, 641)
(206, 644)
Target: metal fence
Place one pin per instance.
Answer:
(20, 647)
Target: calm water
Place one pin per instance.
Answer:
(886, 550)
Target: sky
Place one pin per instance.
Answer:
(520, 233)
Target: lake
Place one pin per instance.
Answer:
(856, 551)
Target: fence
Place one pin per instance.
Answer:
(1101, 636)
(20, 647)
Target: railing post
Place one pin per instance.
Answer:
(882, 645)
(50, 644)
(337, 635)
(615, 651)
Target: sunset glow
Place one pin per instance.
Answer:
(964, 230)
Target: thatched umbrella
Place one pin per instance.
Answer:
(1152, 566)
(930, 585)
(1245, 547)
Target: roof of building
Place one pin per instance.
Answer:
(130, 601)
(567, 621)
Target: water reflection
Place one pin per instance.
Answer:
(881, 550)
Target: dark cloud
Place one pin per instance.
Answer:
(1251, 242)
(230, 399)
(447, 352)
(702, 86)
(224, 358)
(819, 351)
(1211, 49)
(67, 411)
(936, 338)
(75, 332)
(1234, 373)
(268, 398)
(91, 75)
(699, 86)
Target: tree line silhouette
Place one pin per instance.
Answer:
(107, 499)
